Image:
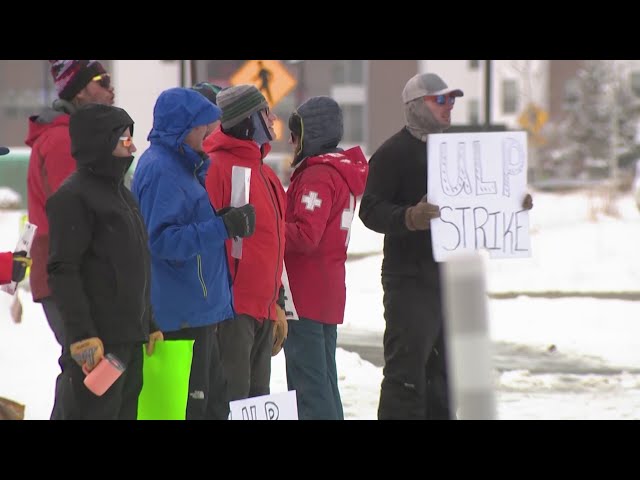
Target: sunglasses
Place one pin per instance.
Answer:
(444, 99)
(104, 80)
(126, 141)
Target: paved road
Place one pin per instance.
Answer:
(506, 356)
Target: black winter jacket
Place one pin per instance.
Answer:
(99, 265)
(397, 180)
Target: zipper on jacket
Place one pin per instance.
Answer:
(195, 171)
(134, 219)
(201, 277)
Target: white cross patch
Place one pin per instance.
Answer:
(312, 201)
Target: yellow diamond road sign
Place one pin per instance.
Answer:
(269, 76)
(533, 118)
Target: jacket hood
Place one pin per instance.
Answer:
(95, 131)
(321, 126)
(351, 165)
(47, 119)
(177, 112)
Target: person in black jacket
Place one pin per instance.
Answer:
(394, 203)
(99, 266)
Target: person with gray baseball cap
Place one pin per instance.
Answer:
(394, 203)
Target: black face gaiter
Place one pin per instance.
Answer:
(111, 166)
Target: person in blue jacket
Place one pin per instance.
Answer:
(190, 281)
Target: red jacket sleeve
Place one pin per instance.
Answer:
(6, 267)
(312, 203)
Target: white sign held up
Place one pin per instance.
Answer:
(24, 244)
(479, 181)
(240, 185)
(278, 406)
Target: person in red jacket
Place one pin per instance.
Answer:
(13, 266)
(247, 341)
(77, 82)
(321, 204)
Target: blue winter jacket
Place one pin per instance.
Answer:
(190, 281)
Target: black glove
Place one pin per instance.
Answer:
(241, 221)
(223, 211)
(20, 264)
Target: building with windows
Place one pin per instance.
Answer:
(368, 90)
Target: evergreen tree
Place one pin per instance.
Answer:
(602, 99)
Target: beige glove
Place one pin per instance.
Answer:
(154, 337)
(280, 331)
(420, 215)
(88, 352)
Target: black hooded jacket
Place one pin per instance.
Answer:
(99, 265)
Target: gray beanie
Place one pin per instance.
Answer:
(238, 103)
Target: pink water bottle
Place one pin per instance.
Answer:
(104, 374)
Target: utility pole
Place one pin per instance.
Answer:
(487, 95)
(193, 71)
(183, 72)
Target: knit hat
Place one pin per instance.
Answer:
(71, 76)
(427, 84)
(239, 102)
(208, 90)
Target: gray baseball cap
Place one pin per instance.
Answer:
(424, 84)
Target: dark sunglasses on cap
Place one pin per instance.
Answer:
(444, 99)
(104, 80)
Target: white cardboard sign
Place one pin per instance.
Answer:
(479, 181)
(240, 185)
(277, 406)
(24, 244)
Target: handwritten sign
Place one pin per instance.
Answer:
(24, 244)
(278, 406)
(240, 187)
(479, 181)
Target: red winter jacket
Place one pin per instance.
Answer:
(321, 203)
(6, 267)
(258, 275)
(49, 165)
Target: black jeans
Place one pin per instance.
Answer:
(55, 323)
(245, 346)
(208, 396)
(415, 373)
